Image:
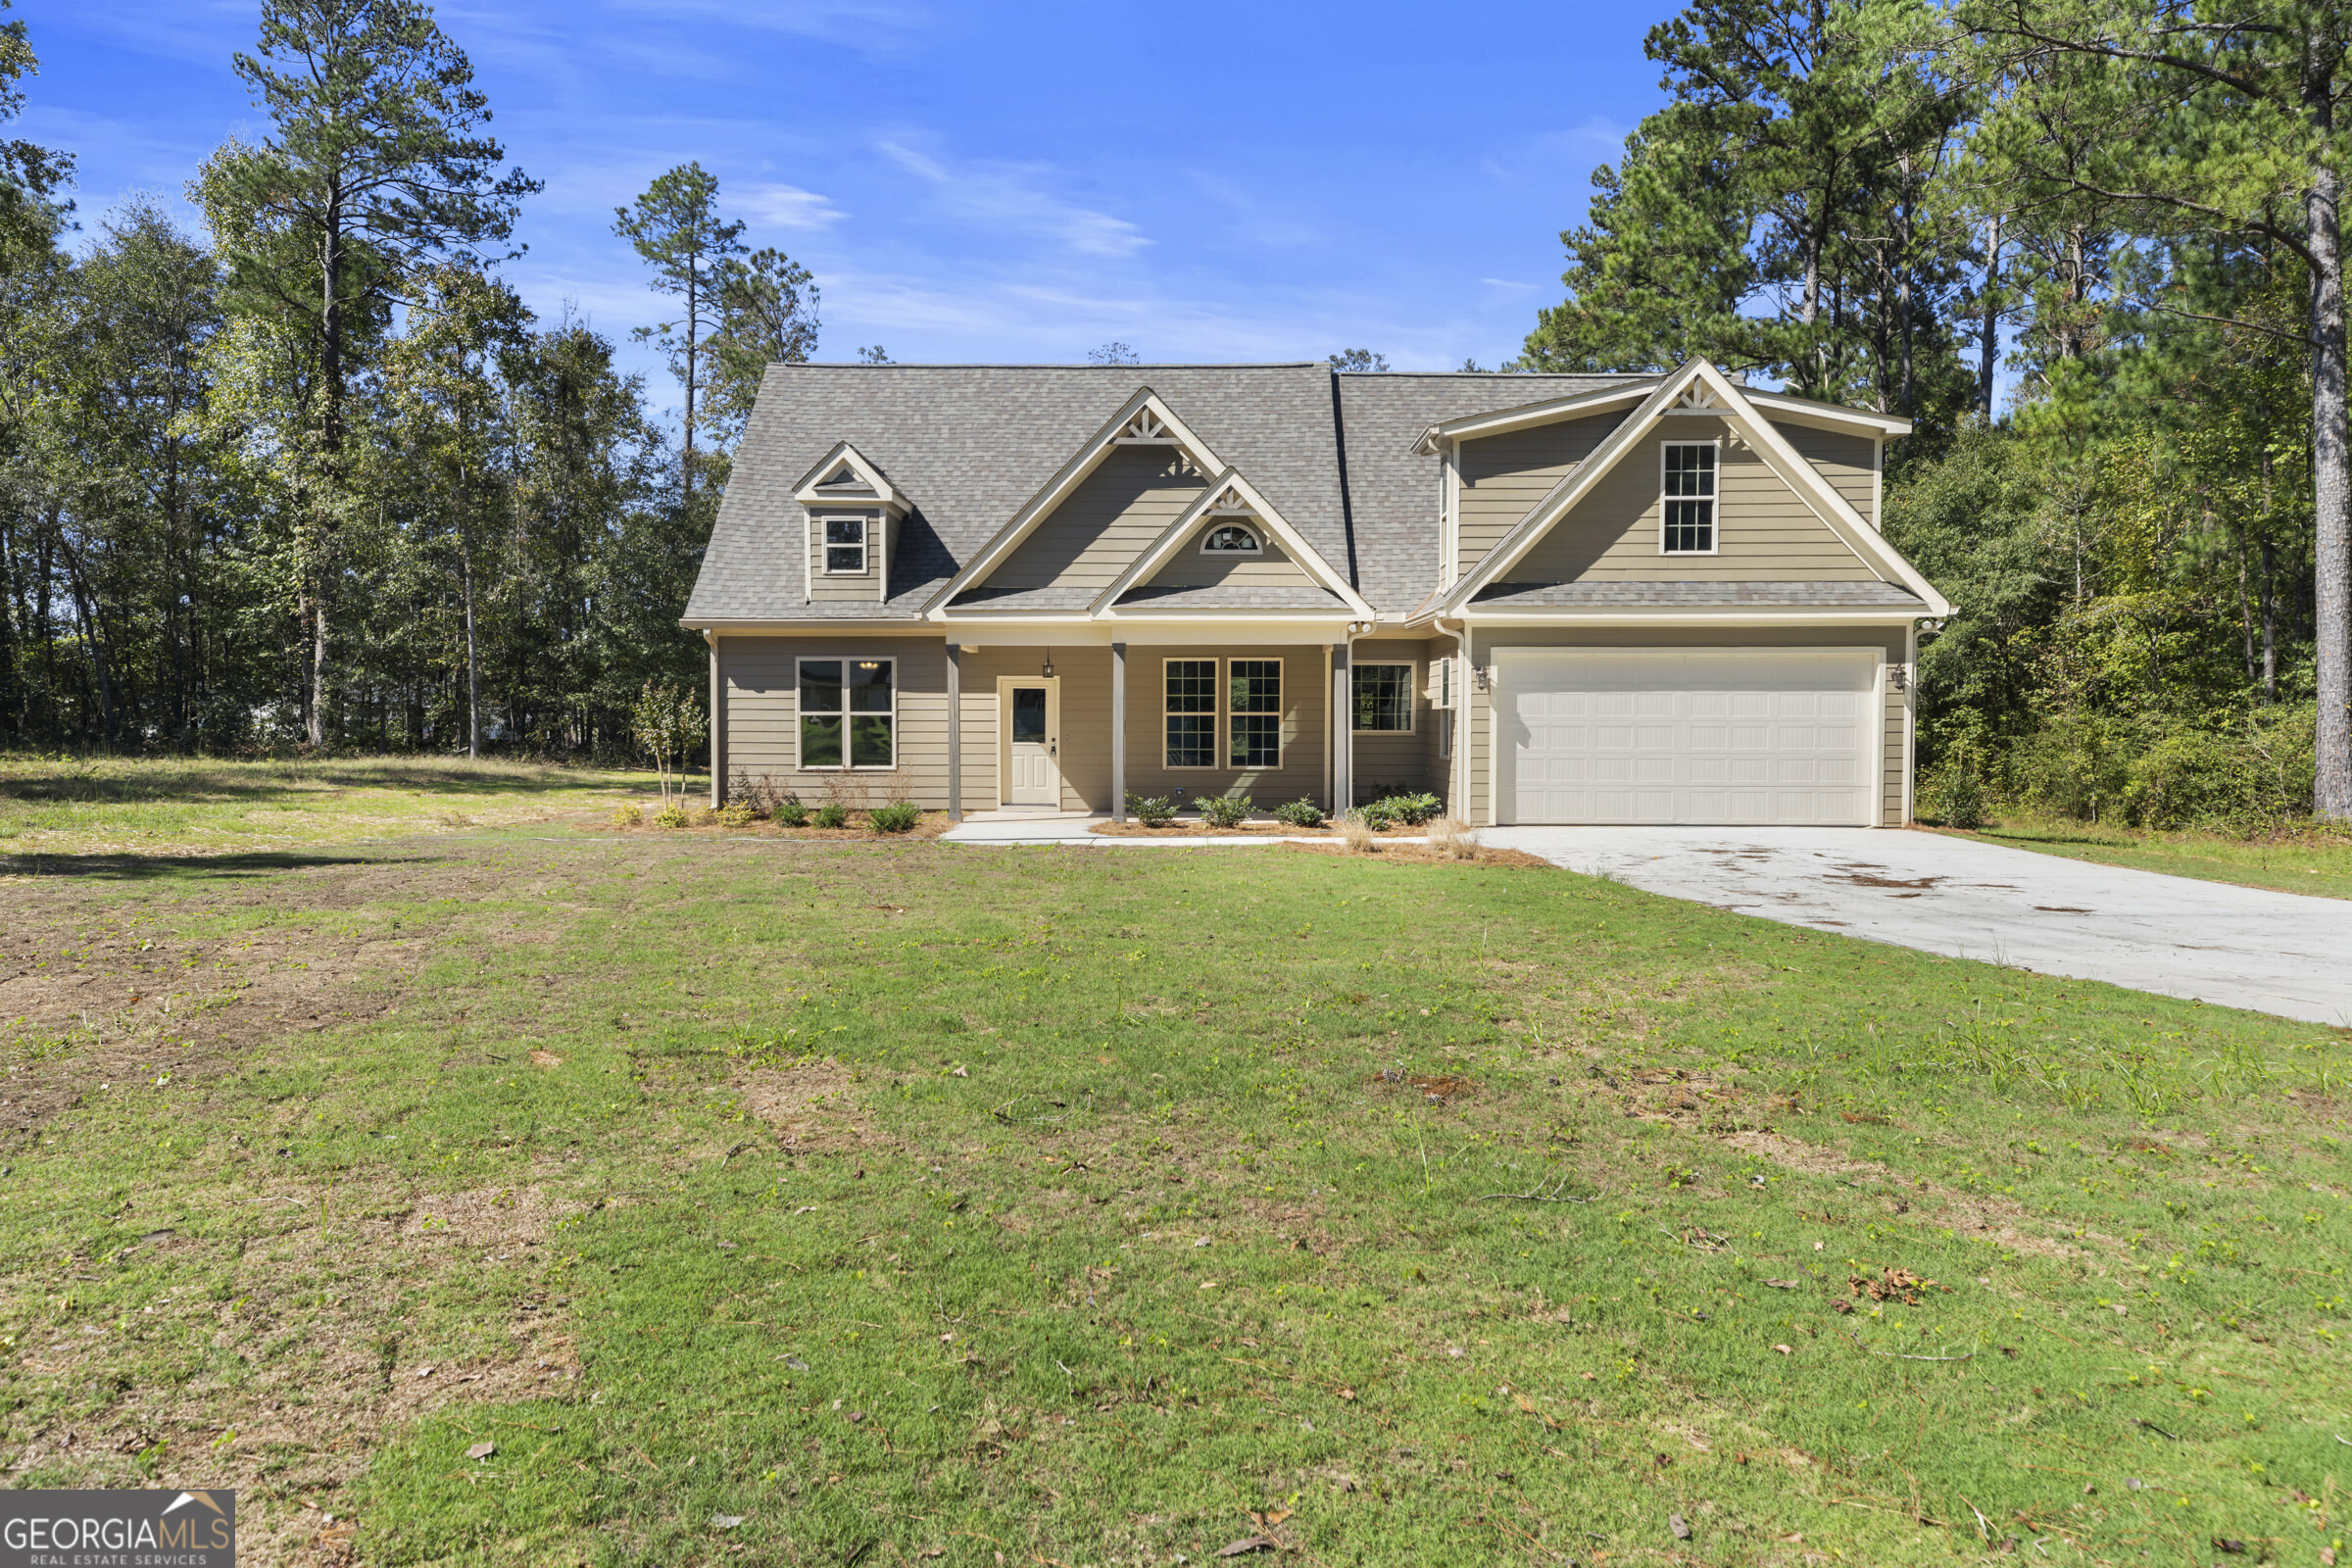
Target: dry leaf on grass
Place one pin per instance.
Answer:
(481, 1451)
(1247, 1545)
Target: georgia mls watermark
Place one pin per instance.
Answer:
(118, 1528)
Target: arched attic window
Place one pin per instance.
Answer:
(1232, 539)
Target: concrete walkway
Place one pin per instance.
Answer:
(2281, 953)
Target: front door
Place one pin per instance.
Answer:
(1033, 743)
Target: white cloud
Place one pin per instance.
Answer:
(1011, 196)
(786, 205)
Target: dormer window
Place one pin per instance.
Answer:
(1231, 539)
(845, 547)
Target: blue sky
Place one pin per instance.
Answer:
(1017, 182)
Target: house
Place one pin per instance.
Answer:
(1545, 597)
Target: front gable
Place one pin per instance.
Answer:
(1107, 520)
(1498, 478)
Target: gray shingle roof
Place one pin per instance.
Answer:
(1696, 595)
(968, 444)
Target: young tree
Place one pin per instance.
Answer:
(667, 722)
(675, 227)
(376, 166)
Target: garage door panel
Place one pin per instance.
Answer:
(1734, 736)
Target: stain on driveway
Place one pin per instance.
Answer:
(2281, 953)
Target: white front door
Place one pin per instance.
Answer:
(1032, 721)
(1710, 735)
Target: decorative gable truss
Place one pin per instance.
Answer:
(1144, 421)
(852, 512)
(1696, 388)
(1228, 496)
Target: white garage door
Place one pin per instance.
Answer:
(1701, 735)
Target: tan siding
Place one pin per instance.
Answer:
(1399, 762)
(1111, 517)
(1188, 567)
(1083, 675)
(1763, 530)
(759, 701)
(1847, 462)
(1503, 476)
(1306, 707)
(1890, 641)
(846, 588)
(1437, 771)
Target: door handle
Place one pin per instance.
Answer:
(1053, 749)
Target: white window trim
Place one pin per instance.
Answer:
(865, 543)
(1411, 691)
(1282, 694)
(845, 765)
(1715, 527)
(1215, 716)
(1257, 538)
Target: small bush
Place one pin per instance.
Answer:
(630, 816)
(1356, 831)
(671, 815)
(1404, 810)
(1301, 813)
(792, 811)
(736, 813)
(895, 818)
(1953, 795)
(1225, 810)
(1153, 811)
(831, 814)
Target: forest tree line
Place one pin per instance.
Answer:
(314, 474)
(2092, 248)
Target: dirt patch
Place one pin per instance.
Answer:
(810, 1107)
(1422, 855)
(1999, 1220)
(1862, 880)
(314, 1360)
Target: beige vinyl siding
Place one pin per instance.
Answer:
(1188, 567)
(1848, 461)
(1305, 711)
(1101, 527)
(844, 588)
(1438, 771)
(1083, 675)
(1503, 476)
(1891, 642)
(1763, 530)
(1898, 716)
(760, 707)
(1399, 762)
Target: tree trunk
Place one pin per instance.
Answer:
(474, 667)
(1989, 352)
(2332, 468)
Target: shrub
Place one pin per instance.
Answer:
(736, 813)
(792, 811)
(1356, 831)
(671, 815)
(1953, 795)
(1405, 810)
(1225, 810)
(629, 815)
(1153, 811)
(895, 818)
(831, 814)
(1300, 812)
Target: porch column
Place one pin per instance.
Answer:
(1118, 732)
(1342, 735)
(718, 728)
(954, 731)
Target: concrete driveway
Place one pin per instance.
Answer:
(2278, 953)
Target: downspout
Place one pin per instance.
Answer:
(1457, 792)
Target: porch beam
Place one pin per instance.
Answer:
(1343, 736)
(954, 731)
(1118, 732)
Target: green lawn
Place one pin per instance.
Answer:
(102, 806)
(2314, 860)
(909, 1203)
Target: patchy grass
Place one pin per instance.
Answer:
(147, 806)
(2316, 861)
(895, 1201)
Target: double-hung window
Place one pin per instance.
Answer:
(1191, 712)
(1384, 699)
(849, 713)
(1253, 713)
(845, 547)
(1690, 499)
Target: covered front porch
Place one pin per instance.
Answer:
(1069, 720)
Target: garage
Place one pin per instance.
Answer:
(1732, 736)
